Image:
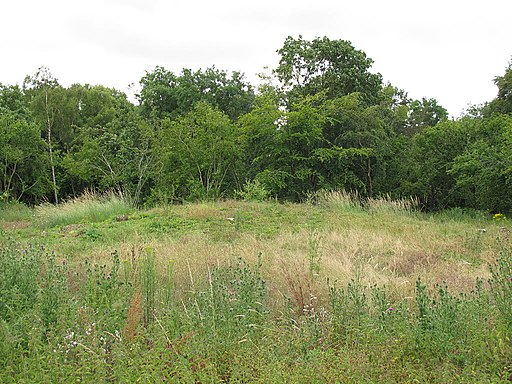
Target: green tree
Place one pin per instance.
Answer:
(259, 134)
(422, 114)
(483, 172)
(113, 149)
(164, 94)
(199, 155)
(43, 89)
(333, 66)
(503, 102)
(22, 161)
(433, 152)
(318, 144)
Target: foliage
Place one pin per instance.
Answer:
(502, 104)
(253, 191)
(333, 66)
(114, 146)
(165, 94)
(199, 155)
(22, 159)
(321, 121)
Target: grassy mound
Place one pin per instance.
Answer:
(336, 291)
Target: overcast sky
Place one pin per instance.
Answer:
(446, 49)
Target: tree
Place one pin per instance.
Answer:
(165, 94)
(503, 102)
(433, 152)
(114, 146)
(483, 172)
(319, 144)
(259, 131)
(22, 165)
(422, 114)
(332, 66)
(42, 89)
(199, 155)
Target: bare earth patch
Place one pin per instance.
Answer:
(12, 225)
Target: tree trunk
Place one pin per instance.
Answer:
(50, 149)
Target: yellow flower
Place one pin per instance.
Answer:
(499, 216)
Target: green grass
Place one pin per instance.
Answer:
(14, 212)
(88, 208)
(257, 292)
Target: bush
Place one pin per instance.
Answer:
(253, 191)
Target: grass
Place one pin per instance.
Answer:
(14, 212)
(87, 208)
(335, 291)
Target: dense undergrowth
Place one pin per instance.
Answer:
(135, 317)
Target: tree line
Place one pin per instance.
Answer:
(321, 121)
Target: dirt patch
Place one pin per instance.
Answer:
(12, 225)
(74, 230)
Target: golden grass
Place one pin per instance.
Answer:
(375, 258)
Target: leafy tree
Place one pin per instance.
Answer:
(422, 114)
(22, 165)
(319, 143)
(483, 172)
(165, 94)
(43, 90)
(259, 131)
(199, 155)
(503, 102)
(394, 108)
(433, 152)
(332, 66)
(361, 132)
(114, 145)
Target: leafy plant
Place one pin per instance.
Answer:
(253, 191)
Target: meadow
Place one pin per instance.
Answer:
(332, 290)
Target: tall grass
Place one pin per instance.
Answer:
(352, 201)
(13, 211)
(90, 207)
(348, 201)
(85, 323)
(387, 204)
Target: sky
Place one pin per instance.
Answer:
(450, 50)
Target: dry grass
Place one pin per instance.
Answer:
(389, 247)
(387, 204)
(377, 258)
(135, 315)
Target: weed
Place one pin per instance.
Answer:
(253, 191)
(314, 256)
(501, 282)
(148, 284)
(388, 205)
(348, 201)
(133, 317)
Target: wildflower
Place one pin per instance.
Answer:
(499, 217)
(390, 309)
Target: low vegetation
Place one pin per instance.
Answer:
(339, 289)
